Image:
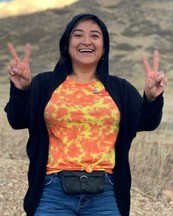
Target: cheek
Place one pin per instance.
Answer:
(100, 46)
(70, 51)
(101, 50)
(72, 47)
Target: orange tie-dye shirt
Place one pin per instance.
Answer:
(83, 124)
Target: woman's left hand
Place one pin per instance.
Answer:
(155, 80)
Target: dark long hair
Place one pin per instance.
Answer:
(65, 60)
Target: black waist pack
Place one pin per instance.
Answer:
(81, 182)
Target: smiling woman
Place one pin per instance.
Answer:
(81, 123)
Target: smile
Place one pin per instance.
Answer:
(86, 50)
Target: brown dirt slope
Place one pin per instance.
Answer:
(135, 26)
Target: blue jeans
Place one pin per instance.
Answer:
(55, 202)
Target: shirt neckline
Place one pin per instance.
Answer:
(93, 82)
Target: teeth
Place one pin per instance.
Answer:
(86, 50)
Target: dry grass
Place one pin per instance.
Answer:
(135, 26)
(154, 159)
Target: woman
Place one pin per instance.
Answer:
(81, 123)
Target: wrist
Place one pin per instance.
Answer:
(150, 98)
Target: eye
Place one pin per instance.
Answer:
(77, 35)
(95, 36)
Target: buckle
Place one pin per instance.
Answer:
(83, 178)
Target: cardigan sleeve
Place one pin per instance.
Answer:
(17, 107)
(150, 114)
(139, 114)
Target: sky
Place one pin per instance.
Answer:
(17, 7)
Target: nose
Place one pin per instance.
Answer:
(86, 40)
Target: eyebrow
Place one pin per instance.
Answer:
(93, 31)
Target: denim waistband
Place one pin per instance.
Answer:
(58, 173)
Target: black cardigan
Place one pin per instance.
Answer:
(25, 109)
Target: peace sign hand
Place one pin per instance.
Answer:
(19, 71)
(155, 81)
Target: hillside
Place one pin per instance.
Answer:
(135, 26)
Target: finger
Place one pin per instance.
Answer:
(13, 70)
(161, 78)
(10, 70)
(146, 64)
(156, 61)
(27, 53)
(166, 80)
(13, 63)
(13, 52)
(162, 82)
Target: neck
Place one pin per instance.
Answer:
(83, 75)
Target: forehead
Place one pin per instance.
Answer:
(87, 25)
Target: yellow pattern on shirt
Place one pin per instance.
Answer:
(82, 127)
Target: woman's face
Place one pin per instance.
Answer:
(86, 44)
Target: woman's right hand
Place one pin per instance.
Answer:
(19, 70)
